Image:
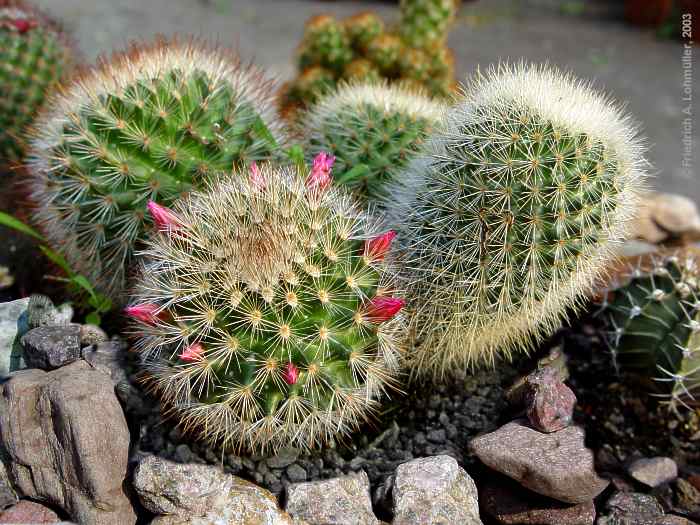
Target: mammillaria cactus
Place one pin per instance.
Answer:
(35, 55)
(151, 123)
(425, 23)
(376, 125)
(655, 327)
(266, 311)
(510, 213)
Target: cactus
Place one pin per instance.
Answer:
(362, 70)
(385, 51)
(510, 213)
(362, 28)
(425, 23)
(152, 123)
(265, 313)
(325, 43)
(655, 328)
(35, 55)
(379, 126)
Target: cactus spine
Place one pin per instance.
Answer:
(265, 313)
(655, 328)
(151, 123)
(376, 125)
(425, 23)
(510, 214)
(35, 55)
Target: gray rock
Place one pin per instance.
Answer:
(337, 501)
(295, 473)
(50, 347)
(64, 440)
(91, 335)
(633, 508)
(7, 493)
(548, 401)
(283, 458)
(434, 490)
(557, 465)
(28, 512)
(653, 471)
(202, 495)
(42, 312)
(13, 325)
(109, 358)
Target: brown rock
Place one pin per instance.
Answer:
(28, 512)
(653, 472)
(510, 504)
(557, 465)
(549, 402)
(65, 441)
(664, 215)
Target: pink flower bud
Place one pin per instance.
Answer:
(290, 374)
(193, 352)
(22, 26)
(257, 178)
(377, 248)
(320, 176)
(382, 309)
(147, 313)
(164, 218)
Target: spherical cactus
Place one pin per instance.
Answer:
(510, 213)
(655, 328)
(425, 23)
(416, 65)
(35, 55)
(266, 313)
(376, 125)
(325, 43)
(150, 124)
(362, 28)
(361, 70)
(384, 52)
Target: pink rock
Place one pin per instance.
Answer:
(549, 402)
(28, 512)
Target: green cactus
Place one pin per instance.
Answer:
(361, 70)
(384, 52)
(264, 311)
(151, 123)
(509, 215)
(35, 55)
(325, 43)
(378, 126)
(363, 28)
(655, 328)
(425, 23)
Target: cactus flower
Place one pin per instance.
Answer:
(22, 25)
(193, 352)
(377, 248)
(164, 218)
(382, 309)
(290, 374)
(257, 178)
(147, 313)
(320, 176)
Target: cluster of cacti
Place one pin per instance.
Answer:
(35, 55)
(375, 126)
(361, 48)
(265, 311)
(151, 123)
(508, 216)
(655, 327)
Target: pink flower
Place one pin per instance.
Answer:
(22, 26)
(257, 178)
(147, 313)
(320, 176)
(290, 374)
(382, 309)
(193, 352)
(164, 218)
(377, 248)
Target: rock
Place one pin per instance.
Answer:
(664, 215)
(42, 312)
(337, 501)
(509, 504)
(6, 278)
(434, 490)
(549, 402)
(13, 325)
(29, 512)
(91, 335)
(7, 493)
(109, 358)
(283, 458)
(50, 347)
(653, 471)
(557, 465)
(634, 508)
(202, 495)
(296, 473)
(64, 440)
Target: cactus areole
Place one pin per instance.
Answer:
(149, 124)
(276, 323)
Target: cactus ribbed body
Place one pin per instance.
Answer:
(152, 123)
(325, 43)
(510, 213)
(265, 329)
(35, 54)
(380, 126)
(425, 23)
(655, 328)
